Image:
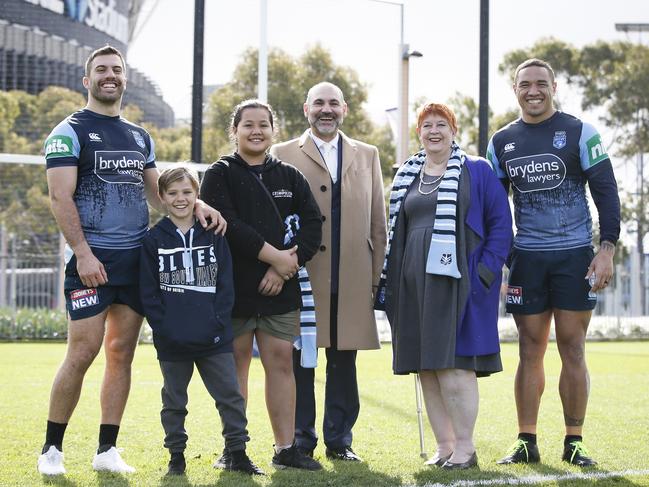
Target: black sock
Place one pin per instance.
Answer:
(529, 437)
(107, 437)
(54, 435)
(570, 438)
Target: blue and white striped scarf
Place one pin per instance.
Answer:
(307, 340)
(442, 258)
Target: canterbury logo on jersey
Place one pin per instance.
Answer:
(120, 167)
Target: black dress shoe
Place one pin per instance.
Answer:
(346, 454)
(470, 463)
(437, 463)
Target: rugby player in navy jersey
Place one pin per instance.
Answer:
(547, 157)
(101, 172)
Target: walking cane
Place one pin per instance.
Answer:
(420, 419)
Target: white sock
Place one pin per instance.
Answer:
(279, 448)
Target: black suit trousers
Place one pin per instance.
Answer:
(341, 395)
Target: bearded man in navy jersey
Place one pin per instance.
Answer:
(547, 157)
(100, 172)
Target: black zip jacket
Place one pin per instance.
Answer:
(187, 291)
(233, 187)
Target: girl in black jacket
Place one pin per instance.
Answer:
(255, 193)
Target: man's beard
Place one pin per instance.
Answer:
(328, 128)
(104, 98)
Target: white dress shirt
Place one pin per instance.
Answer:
(329, 151)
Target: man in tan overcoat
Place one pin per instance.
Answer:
(345, 178)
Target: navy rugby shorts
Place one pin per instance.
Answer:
(123, 270)
(540, 280)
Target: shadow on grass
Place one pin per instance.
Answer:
(58, 480)
(344, 474)
(221, 479)
(531, 473)
(108, 479)
(617, 481)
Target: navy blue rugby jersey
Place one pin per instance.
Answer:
(111, 154)
(546, 164)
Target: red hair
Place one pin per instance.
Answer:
(439, 109)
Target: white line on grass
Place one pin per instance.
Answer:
(537, 479)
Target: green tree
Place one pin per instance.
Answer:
(289, 79)
(9, 112)
(54, 104)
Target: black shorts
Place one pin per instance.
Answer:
(541, 280)
(123, 270)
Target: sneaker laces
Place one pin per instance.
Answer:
(578, 448)
(518, 444)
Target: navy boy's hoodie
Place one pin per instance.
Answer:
(187, 291)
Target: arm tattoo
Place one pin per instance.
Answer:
(573, 421)
(608, 246)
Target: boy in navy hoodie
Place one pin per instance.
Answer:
(187, 294)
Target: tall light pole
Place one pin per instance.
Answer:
(262, 64)
(483, 110)
(404, 98)
(641, 219)
(197, 86)
(402, 108)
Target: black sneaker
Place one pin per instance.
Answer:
(292, 457)
(575, 453)
(240, 462)
(177, 464)
(223, 460)
(521, 452)
(305, 451)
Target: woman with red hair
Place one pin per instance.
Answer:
(450, 233)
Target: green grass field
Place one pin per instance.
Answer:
(386, 436)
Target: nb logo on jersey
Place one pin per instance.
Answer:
(596, 152)
(58, 146)
(95, 137)
(510, 147)
(446, 259)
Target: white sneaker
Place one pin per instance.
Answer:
(51, 462)
(111, 461)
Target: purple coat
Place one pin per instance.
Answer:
(490, 218)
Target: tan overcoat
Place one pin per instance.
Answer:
(362, 237)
